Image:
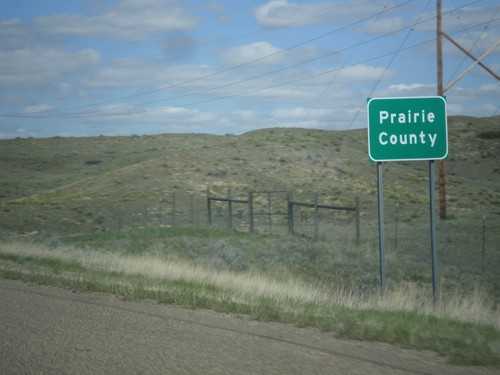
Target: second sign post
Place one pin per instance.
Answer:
(400, 129)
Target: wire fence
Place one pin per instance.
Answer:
(470, 241)
(263, 212)
(467, 241)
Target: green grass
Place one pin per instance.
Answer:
(105, 226)
(49, 185)
(464, 327)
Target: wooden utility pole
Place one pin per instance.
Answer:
(440, 92)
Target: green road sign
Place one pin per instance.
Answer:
(414, 128)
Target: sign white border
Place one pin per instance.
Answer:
(407, 97)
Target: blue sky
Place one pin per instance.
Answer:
(133, 67)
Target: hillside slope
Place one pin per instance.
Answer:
(73, 185)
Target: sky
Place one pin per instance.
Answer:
(135, 67)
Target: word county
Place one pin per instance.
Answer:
(408, 118)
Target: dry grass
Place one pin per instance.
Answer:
(472, 307)
(155, 267)
(475, 307)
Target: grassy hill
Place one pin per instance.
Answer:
(73, 185)
(84, 203)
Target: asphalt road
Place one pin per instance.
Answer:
(50, 330)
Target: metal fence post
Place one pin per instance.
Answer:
(173, 209)
(230, 208)
(396, 227)
(191, 213)
(250, 211)
(357, 213)
(316, 216)
(160, 214)
(209, 208)
(484, 240)
(269, 211)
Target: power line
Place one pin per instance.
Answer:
(243, 93)
(121, 45)
(177, 50)
(318, 99)
(393, 57)
(45, 114)
(474, 42)
(236, 66)
(101, 113)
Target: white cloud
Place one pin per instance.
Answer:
(244, 115)
(263, 51)
(180, 115)
(470, 94)
(11, 28)
(146, 76)
(412, 89)
(302, 113)
(474, 28)
(37, 109)
(281, 13)
(278, 13)
(31, 67)
(128, 114)
(364, 73)
(128, 20)
(9, 131)
(13, 33)
(211, 83)
(458, 19)
(385, 25)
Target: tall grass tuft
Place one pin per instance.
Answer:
(463, 326)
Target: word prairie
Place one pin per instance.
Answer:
(407, 118)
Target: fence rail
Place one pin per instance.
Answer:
(288, 215)
(466, 240)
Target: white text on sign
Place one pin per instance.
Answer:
(406, 118)
(405, 139)
(409, 117)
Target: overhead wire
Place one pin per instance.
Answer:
(241, 93)
(389, 64)
(353, 51)
(121, 45)
(131, 112)
(143, 93)
(235, 67)
(316, 75)
(473, 46)
(474, 42)
(184, 49)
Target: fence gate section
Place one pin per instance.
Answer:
(280, 212)
(270, 211)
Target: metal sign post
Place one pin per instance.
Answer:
(413, 128)
(432, 206)
(381, 235)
